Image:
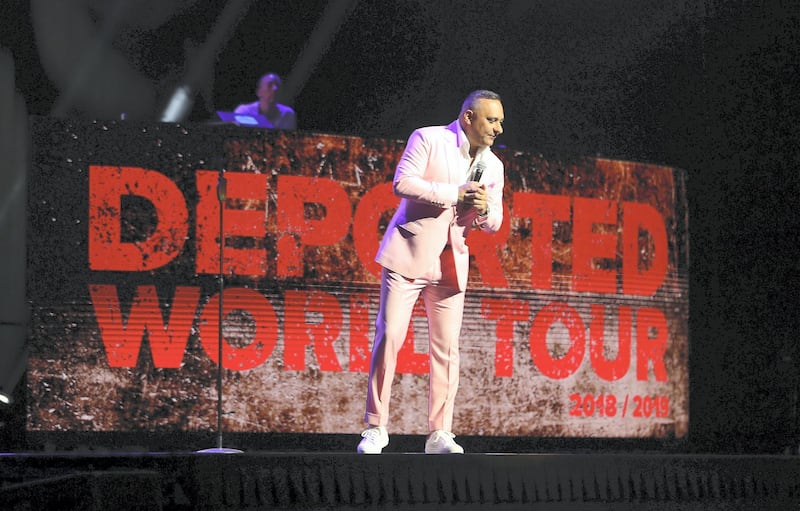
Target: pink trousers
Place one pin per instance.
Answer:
(444, 305)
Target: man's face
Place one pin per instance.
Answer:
(267, 88)
(483, 123)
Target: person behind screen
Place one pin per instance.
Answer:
(280, 116)
(424, 251)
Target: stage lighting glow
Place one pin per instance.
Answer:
(14, 362)
(179, 106)
(247, 120)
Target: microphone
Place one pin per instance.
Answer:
(222, 186)
(478, 171)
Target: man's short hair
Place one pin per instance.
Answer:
(274, 76)
(474, 96)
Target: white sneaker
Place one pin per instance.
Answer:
(441, 442)
(373, 440)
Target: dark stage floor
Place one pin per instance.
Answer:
(395, 480)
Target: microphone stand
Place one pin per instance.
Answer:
(219, 449)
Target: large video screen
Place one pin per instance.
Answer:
(140, 262)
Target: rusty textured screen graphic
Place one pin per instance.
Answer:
(576, 320)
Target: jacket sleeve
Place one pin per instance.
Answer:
(493, 221)
(414, 180)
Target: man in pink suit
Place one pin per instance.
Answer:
(449, 182)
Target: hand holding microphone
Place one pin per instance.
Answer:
(474, 196)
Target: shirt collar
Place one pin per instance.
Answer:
(462, 142)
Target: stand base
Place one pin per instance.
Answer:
(220, 450)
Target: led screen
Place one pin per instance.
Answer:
(576, 321)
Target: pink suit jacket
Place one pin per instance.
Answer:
(434, 164)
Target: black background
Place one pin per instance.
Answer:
(710, 87)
